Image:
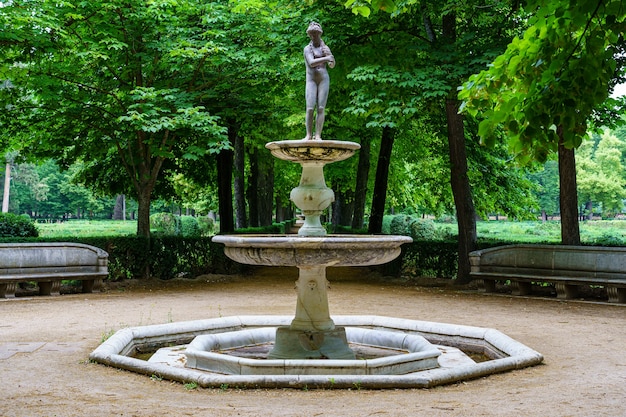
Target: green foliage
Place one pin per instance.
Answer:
(275, 228)
(546, 180)
(189, 226)
(206, 225)
(86, 228)
(423, 229)
(12, 225)
(121, 86)
(166, 257)
(546, 85)
(417, 228)
(430, 259)
(166, 223)
(401, 225)
(386, 229)
(170, 257)
(601, 172)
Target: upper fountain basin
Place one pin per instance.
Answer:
(302, 251)
(320, 151)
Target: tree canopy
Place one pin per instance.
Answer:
(553, 77)
(149, 98)
(118, 84)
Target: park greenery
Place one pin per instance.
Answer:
(463, 110)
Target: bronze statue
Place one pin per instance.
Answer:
(316, 56)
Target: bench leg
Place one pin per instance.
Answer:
(566, 291)
(50, 288)
(521, 288)
(92, 285)
(486, 285)
(616, 294)
(7, 290)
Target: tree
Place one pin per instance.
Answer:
(448, 43)
(547, 182)
(10, 160)
(602, 174)
(103, 80)
(543, 90)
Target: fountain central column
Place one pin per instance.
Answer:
(312, 313)
(312, 196)
(312, 333)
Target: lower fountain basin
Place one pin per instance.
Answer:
(412, 353)
(301, 251)
(503, 353)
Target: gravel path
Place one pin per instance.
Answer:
(45, 342)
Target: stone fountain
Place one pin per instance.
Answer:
(312, 349)
(312, 333)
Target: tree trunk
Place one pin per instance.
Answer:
(589, 210)
(143, 212)
(265, 187)
(568, 198)
(7, 188)
(253, 191)
(239, 173)
(362, 175)
(380, 184)
(343, 207)
(119, 211)
(461, 190)
(225, 190)
(280, 211)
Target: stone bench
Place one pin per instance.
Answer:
(50, 263)
(567, 267)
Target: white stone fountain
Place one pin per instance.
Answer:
(312, 349)
(312, 333)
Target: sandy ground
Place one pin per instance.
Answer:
(45, 343)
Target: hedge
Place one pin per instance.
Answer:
(173, 256)
(167, 256)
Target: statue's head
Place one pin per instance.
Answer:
(314, 27)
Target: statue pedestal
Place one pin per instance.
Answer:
(303, 344)
(312, 333)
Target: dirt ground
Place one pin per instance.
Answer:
(45, 343)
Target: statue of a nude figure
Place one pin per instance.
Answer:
(316, 56)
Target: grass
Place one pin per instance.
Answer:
(594, 231)
(88, 228)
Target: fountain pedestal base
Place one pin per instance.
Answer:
(311, 344)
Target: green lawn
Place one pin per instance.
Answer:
(596, 231)
(591, 232)
(88, 228)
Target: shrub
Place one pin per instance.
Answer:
(207, 225)
(423, 229)
(386, 228)
(401, 225)
(166, 224)
(189, 226)
(12, 225)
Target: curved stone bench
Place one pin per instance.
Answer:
(50, 263)
(567, 267)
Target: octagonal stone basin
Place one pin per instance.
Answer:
(310, 251)
(412, 353)
(503, 352)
